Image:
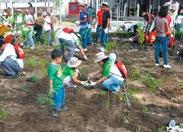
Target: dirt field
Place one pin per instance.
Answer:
(156, 96)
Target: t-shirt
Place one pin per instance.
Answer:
(53, 75)
(47, 25)
(68, 72)
(29, 19)
(160, 26)
(99, 17)
(106, 16)
(110, 69)
(82, 16)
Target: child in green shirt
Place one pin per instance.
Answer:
(55, 82)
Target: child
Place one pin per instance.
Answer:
(56, 83)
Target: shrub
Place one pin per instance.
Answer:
(31, 62)
(43, 100)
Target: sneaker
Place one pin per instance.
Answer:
(85, 49)
(64, 108)
(157, 64)
(85, 57)
(167, 66)
(77, 50)
(55, 113)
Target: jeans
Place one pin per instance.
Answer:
(89, 36)
(69, 46)
(38, 35)
(103, 38)
(112, 84)
(30, 39)
(98, 33)
(83, 32)
(10, 66)
(48, 37)
(58, 98)
(161, 44)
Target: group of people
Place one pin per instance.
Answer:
(67, 76)
(103, 24)
(30, 28)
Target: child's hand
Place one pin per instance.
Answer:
(51, 92)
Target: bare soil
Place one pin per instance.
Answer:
(89, 110)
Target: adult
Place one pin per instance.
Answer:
(111, 76)
(8, 59)
(161, 42)
(39, 22)
(83, 30)
(99, 17)
(47, 28)
(69, 42)
(19, 19)
(105, 26)
(29, 22)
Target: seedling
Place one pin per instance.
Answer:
(145, 109)
(31, 62)
(3, 114)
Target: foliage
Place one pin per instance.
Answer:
(161, 129)
(43, 65)
(111, 46)
(3, 113)
(141, 35)
(34, 78)
(43, 100)
(24, 88)
(30, 62)
(135, 73)
(145, 109)
(150, 82)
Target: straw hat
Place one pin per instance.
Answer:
(100, 56)
(74, 62)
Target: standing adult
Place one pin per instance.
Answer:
(99, 17)
(39, 22)
(105, 26)
(83, 19)
(19, 19)
(161, 43)
(29, 22)
(47, 28)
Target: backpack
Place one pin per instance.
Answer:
(121, 67)
(19, 51)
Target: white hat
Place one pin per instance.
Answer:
(74, 62)
(44, 13)
(112, 57)
(100, 56)
(19, 10)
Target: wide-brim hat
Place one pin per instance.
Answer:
(105, 4)
(82, 4)
(74, 62)
(100, 56)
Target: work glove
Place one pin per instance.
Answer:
(84, 83)
(92, 83)
(106, 30)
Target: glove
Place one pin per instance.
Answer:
(93, 83)
(89, 26)
(84, 83)
(106, 30)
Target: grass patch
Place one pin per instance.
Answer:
(150, 82)
(179, 85)
(24, 88)
(43, 63)
(111, 46)
(31, 62)
(135, 73)
(3, 114)
(145, 109)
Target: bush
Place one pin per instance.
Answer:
(31, 62)
(43, 100)
(3, 113)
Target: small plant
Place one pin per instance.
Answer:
(161, 129)
(145, 109)
(43, 65)
(150, 82)
(31, 62)
(3, 113)
(24, 88)
(43, 100)
(111, 46)
(135, 73)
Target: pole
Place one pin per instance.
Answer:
(97, 5)
(35, 2)
(60, 10)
